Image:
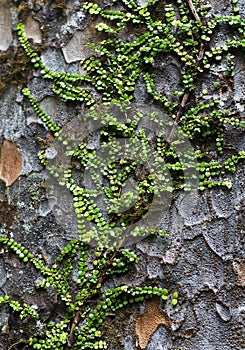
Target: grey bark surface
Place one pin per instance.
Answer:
(203, 257)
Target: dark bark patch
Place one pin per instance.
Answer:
(8, 213)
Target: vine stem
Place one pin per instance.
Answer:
(193, 10)
(186, 95)
(17, 343)
(77, 317)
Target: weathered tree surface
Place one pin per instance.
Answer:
(203, 258)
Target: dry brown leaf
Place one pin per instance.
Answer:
(10, 162)
(239, 268)
(149, 321)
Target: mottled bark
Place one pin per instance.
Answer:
(203, 257)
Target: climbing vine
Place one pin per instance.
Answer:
(194, 112)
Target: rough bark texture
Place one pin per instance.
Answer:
(203, 258)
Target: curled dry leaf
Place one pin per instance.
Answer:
(147, 323)
(10, 162)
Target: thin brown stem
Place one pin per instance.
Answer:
(77, 317)
(185, 98)
(17, 343)
(75, 322)
(193, 10)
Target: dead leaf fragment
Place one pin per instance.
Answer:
(147, 323)
(239, 268)
(10, 162)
